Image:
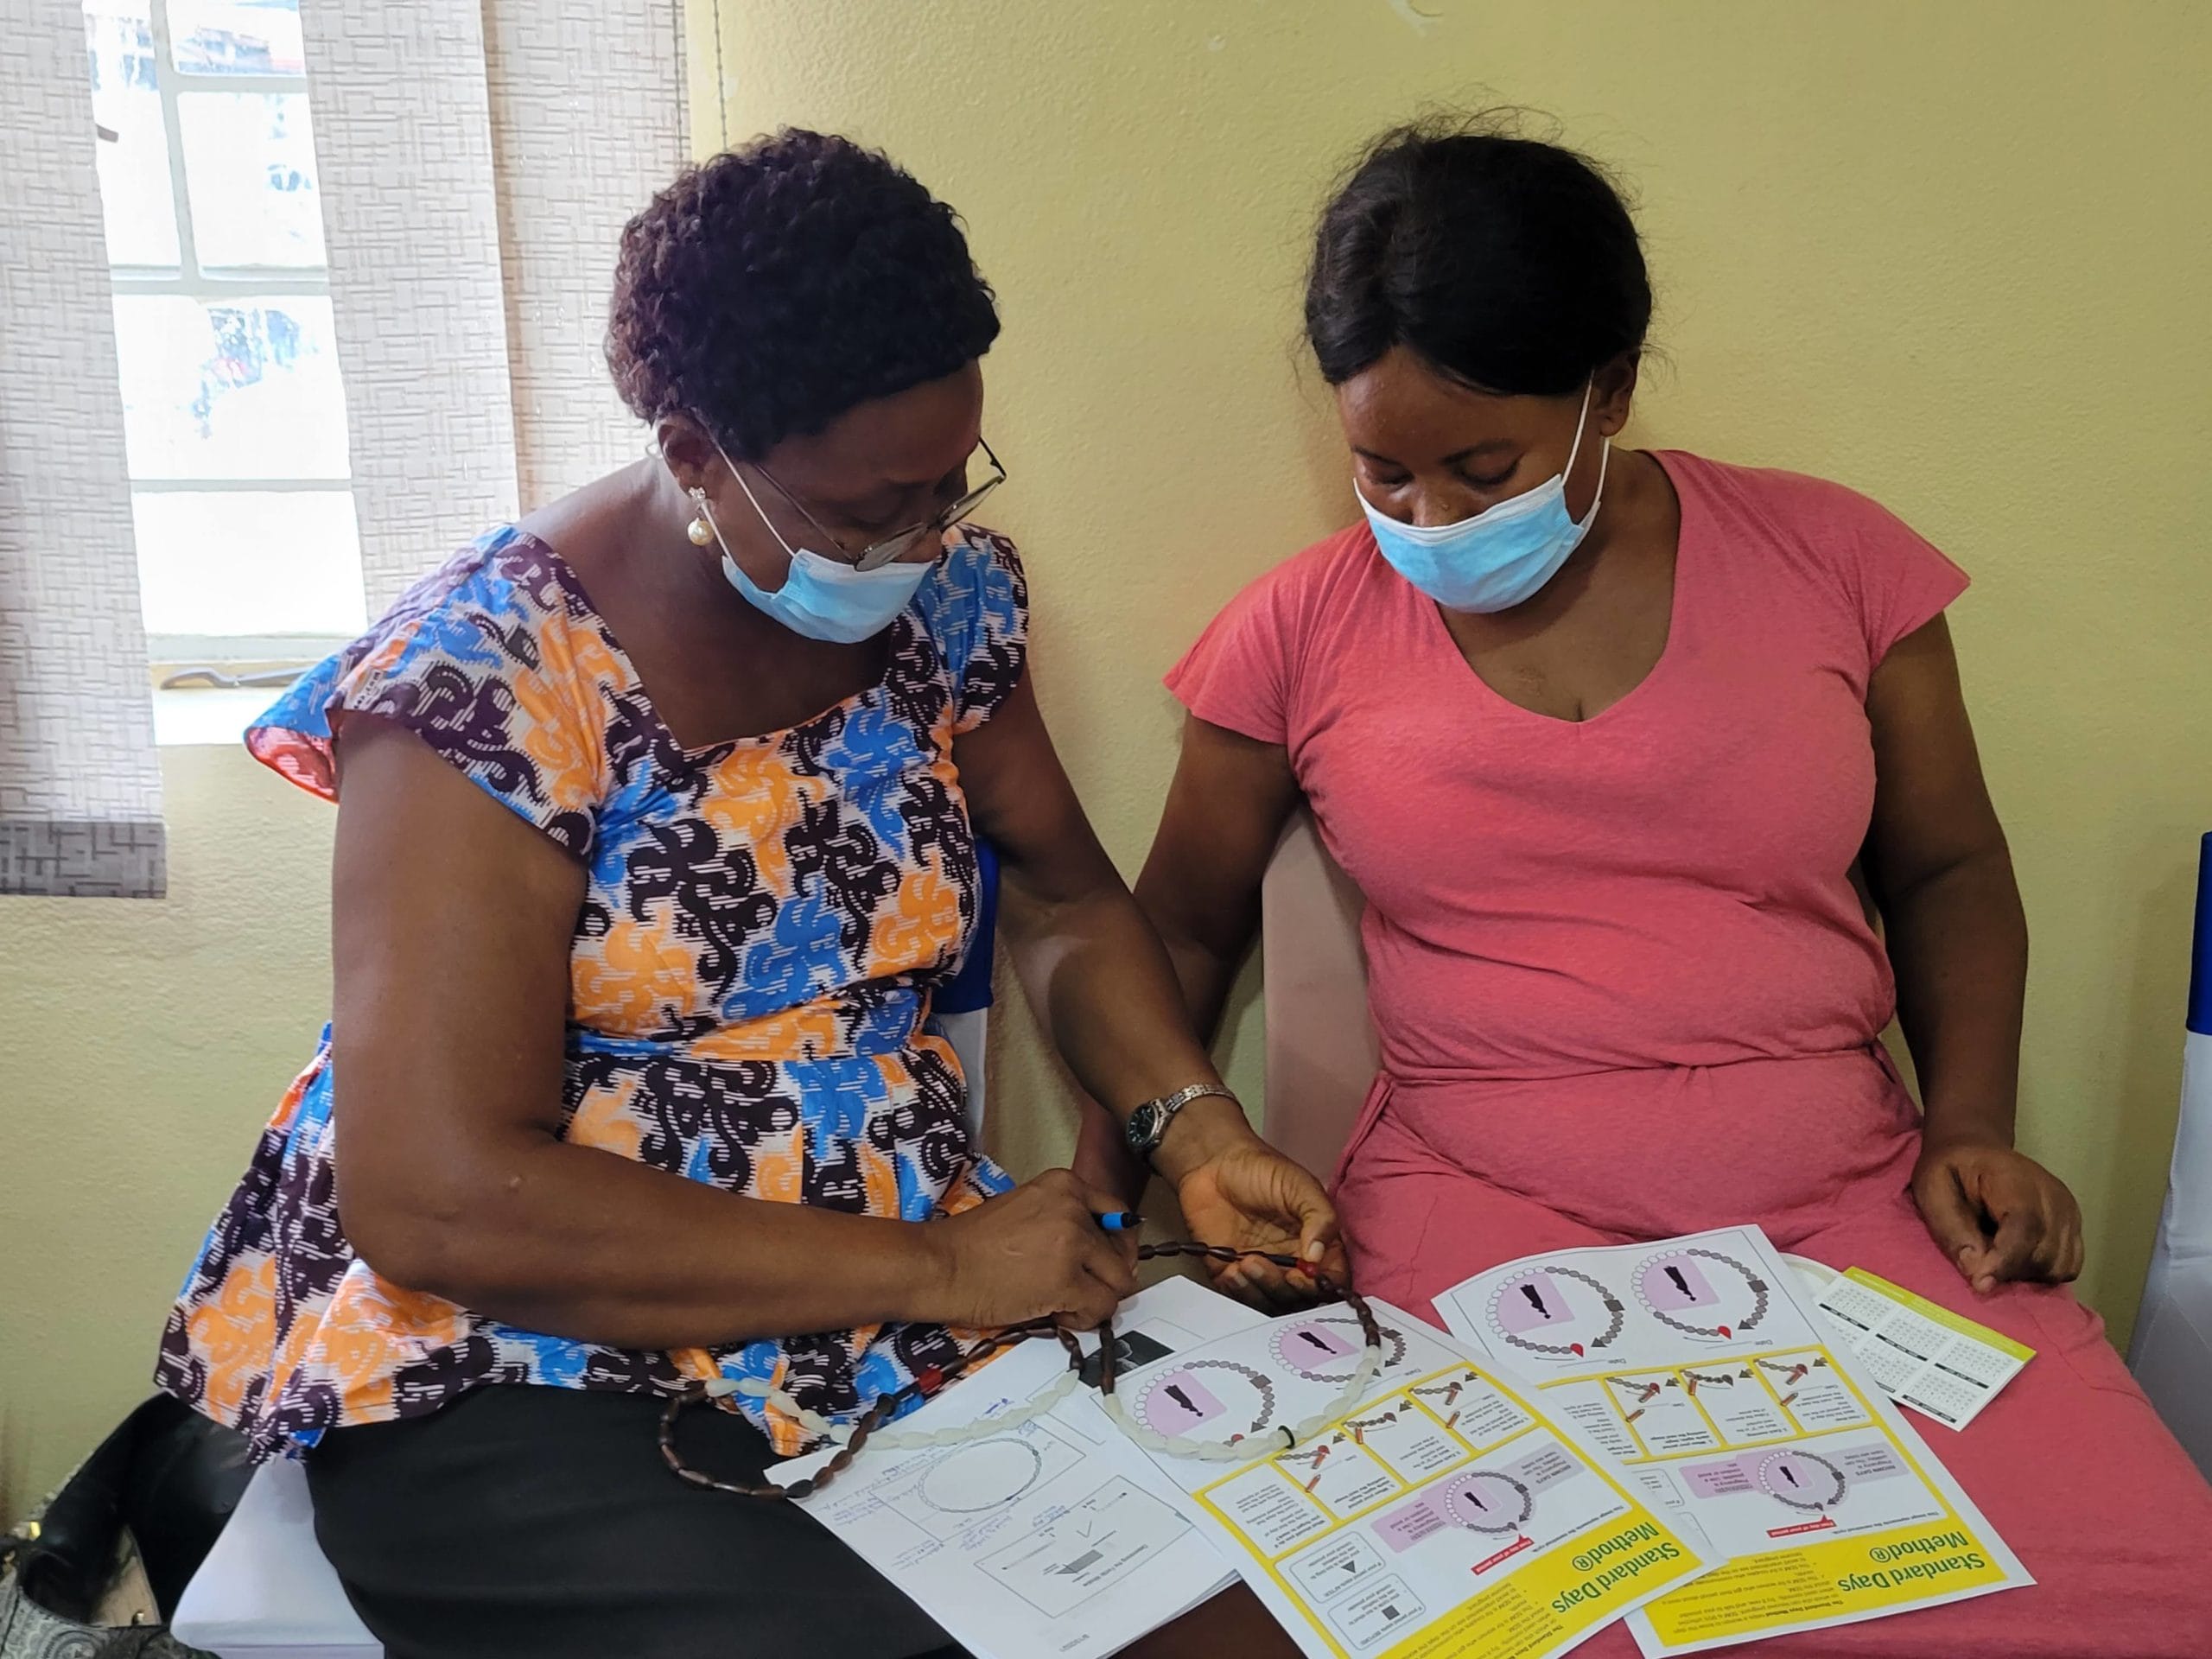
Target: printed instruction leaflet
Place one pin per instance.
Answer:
(1700, 1365)
(1448, 1516)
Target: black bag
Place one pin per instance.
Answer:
(163, 1484)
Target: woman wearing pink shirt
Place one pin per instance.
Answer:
(1630, 753)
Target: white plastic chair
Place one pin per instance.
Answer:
(265, 1590)
(2171, 1355)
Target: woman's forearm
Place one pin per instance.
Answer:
(1959, 941)
(578, 1242)
(1095, 971)
(1205, 978)
(1102, 1155)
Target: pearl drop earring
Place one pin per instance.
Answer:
(702, 527)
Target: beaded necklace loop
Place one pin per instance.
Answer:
(869, 1430)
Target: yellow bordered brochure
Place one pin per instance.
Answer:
(1700, 1367)
(1447, 1517)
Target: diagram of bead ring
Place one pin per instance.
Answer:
(1545, 1311)
(1326, 1349)
(1180, 1400)
(981, 1475)
(1486, 1501)
(1677, 1290)
(1803, 1480)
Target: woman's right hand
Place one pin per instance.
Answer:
(1037, 1252)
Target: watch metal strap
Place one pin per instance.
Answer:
(1156, 1115)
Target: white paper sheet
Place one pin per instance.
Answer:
(1058, 1537)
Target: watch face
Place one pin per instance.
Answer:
(1139, 1130)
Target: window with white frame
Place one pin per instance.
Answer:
(234, 415)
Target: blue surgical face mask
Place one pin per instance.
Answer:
(1497, 559)
(823, 598)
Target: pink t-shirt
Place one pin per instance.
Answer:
(1665, 885)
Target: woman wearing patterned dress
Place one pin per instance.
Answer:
(657, 829)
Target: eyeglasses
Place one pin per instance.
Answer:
(900, 543)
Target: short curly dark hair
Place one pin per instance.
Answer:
(770, 290)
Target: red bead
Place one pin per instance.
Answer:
(931, 1381)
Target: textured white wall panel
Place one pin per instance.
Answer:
(79, 788)
(403, 152)
(588, 122)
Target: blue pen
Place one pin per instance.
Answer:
(1120, 1220)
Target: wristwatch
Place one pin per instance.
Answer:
(1148, 1123)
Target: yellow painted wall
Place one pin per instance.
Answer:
(1931, 250)
(143, 1045)
(1956, 255)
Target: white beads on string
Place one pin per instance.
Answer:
(1282, 1438)
(893, 1440)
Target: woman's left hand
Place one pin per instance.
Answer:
(1997, 1214)
(1249, 1196)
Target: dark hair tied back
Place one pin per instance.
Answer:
(1505, 262)
(769, 290)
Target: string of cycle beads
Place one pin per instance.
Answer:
(869, 1430)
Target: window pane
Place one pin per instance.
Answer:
(237, 37)
(243, 390)
(287, 562)
(249, 164)
(134, 164)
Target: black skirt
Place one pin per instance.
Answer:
(541, 1521)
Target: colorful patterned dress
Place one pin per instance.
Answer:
(750, 982)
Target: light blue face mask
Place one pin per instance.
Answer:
(1498, 558)
(822, 597)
